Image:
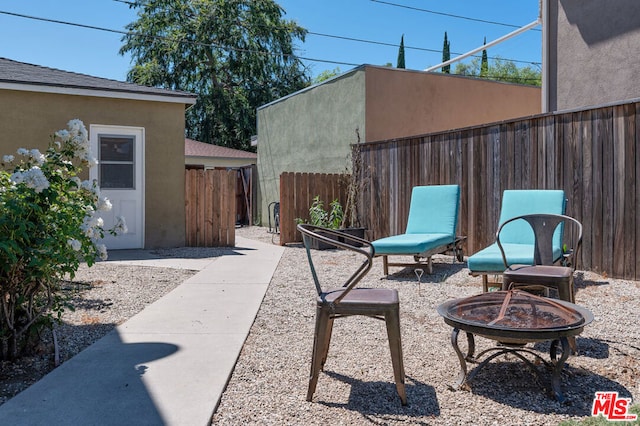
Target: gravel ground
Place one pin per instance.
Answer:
(104, 296)
(270, 380)
(269, 383)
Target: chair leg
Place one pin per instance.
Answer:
(385, 265)
(395, 345)
(319, 339)
(327, 341)
(565, 291)
(485, 283)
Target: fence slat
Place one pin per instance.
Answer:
(210, 208)
(297, 191)
(593, 155)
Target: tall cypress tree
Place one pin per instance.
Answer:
(484, 65)
(401, 53)
(446, 54)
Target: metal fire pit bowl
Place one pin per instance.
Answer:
(514, 318)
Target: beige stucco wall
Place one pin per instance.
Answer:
(404, 103)
(592, 52)
(28, 118)
(310, 131)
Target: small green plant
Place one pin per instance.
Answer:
(319, 216)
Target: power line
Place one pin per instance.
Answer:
(380, 43)
(55, 21)
(484, 21)
(302, 58)
(131, 33)
(423, 49)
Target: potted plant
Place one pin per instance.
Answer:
(333, 218)
(319, 216)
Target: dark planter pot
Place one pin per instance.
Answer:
(321, 245)
(356, 232)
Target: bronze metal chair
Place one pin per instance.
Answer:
(347, 300)
(554, 262)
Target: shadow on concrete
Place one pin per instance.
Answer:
(101, 385)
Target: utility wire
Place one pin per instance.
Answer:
(484, 21)
(130, 33)
(380, 43)
(423, 49)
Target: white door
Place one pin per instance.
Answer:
(120, 175)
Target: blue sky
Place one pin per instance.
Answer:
(95, 52)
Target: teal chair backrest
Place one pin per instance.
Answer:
(434, 210)
(529, 201)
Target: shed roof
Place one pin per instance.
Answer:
(200, 149)
(16, 75)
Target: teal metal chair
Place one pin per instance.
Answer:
(517, 238)
(431, 228)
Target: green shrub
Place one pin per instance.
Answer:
(318, 216)
(48, 226)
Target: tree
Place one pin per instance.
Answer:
(401, 53)
(501, 70)
(326, 75)
(234, 54)
(446, 54)
(484, 65)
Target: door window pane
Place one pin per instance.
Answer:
(117, 162)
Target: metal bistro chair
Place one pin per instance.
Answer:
(379, 303)
(554, 263)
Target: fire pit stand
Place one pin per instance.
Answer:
(514, 318)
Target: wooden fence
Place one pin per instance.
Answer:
(297, 191)
(210, 208)
(592, 154)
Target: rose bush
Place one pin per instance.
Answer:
(49, 225)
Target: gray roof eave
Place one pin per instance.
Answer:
(175, 97)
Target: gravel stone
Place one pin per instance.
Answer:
(269, 383)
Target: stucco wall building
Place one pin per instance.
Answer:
(591, 54)
(312, 130)
(37, 101)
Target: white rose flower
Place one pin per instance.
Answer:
(104, 205)
(102, 251)
(121, 226)
(37, 156)
(75, 244)
(63, 135)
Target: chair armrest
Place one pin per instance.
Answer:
(319, 233)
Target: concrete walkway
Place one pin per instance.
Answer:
(169, 364)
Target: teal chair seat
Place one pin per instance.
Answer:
(410, 243)
(431, 227)
(489, 258)
(517, 237)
